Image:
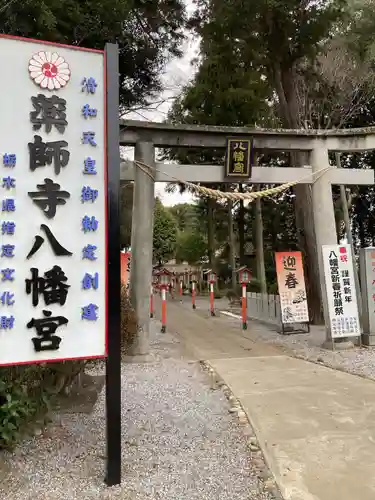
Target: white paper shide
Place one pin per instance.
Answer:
(53, 203)
(342, 299)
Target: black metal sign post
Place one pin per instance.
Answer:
(113, 362)
(238, 158)
(289, 328)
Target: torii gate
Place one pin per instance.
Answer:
(146, 136)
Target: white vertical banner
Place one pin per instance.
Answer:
(341, 293)
(53, 249)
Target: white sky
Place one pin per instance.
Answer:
(177, 74)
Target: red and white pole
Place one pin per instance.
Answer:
(152, 302)
(163, 310)
(212, 298)
(193, 295)
(181, 290)
(244, 307)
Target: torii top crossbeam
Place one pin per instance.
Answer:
(195, 136)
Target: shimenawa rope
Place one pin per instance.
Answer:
(219, 195)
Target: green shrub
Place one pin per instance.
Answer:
(15, 409)
(26, 394)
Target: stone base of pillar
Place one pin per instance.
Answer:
(368, 339)
(339, 344)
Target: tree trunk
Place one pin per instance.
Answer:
(210, 232)
(261, 270)
(232, 244)
(285, 87)
(307, 244)
(241, 229)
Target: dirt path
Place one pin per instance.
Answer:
(206, 337)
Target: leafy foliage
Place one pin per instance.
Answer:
(26, 393)
(191, 247)
(148, 33)
(15, 408)
(268, 32)
(186, 215)
(165, 233)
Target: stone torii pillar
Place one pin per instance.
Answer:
(324, 217)
(324, 220)
(141, 244)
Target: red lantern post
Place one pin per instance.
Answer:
(244, 275)
(193, 280)
(164, 280)
(211, 278)
(152, 301)
(171, 287)
(181, 286)
(153, 286)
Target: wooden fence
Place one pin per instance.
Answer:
(264, 307)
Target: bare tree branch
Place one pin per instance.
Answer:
(333, 91)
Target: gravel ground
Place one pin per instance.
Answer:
(358, 361)
(179, 443)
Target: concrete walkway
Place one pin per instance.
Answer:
(316, 426)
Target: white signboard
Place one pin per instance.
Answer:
(342, 299)
(53, 200)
